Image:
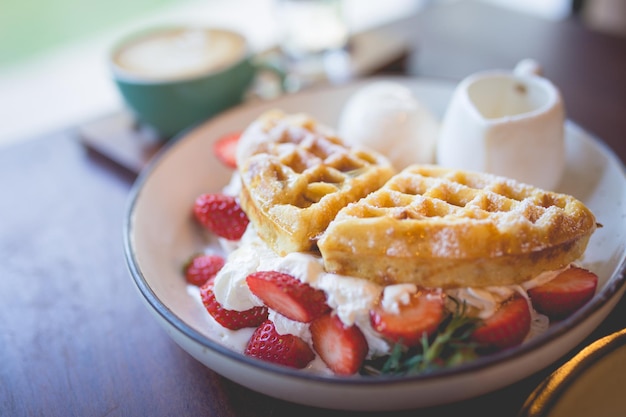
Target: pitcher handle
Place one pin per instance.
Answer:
(528, 67)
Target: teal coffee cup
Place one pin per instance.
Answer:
(174, 77)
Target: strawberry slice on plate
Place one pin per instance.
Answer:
(421, 316)
(565, 294)
(268, 345)
(342, 348)
(288, 296)
(221, 214)
(230, 319)
(225, 148)
(507, 327)
(201, 268)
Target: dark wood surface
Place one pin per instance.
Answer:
(75, 337)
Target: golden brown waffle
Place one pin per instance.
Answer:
(438, 227)
(296, 176)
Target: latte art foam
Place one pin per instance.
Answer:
(180, 53)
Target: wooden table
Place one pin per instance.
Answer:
(75, 338)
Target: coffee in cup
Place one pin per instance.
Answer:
(179, 53)
(172, 78)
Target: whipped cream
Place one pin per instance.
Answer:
(394, 295)
(350, 298)
(486, 300)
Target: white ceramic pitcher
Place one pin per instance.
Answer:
(508, 123)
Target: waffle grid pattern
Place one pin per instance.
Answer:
(439, 227)
(430, 192)
(300, 177)
(317, 166)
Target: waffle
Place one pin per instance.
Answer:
(296, 176)
(438, 227)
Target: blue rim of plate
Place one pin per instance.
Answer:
(614, 284)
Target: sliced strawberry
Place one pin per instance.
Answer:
(225, 148)
(221, 214)
(289, 350)
(288, 296)
(231, 319)
(507, 327)
(343, 349)
(565, 294)
(200, 268)
(422, 315)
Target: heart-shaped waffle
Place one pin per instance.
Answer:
(439, 227)
(296, 176)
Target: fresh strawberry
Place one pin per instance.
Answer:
(221, 214)
(225, 148)
(507, 327)
(342, 348)
(566, 293)
(289, 350)
(200, 268)
(231, 319)
(422, 315)
(288, 296)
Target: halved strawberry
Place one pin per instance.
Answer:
(225, 148)
(507, 327)
(221, 214)
(422, 315)
(288, 296)
(200, 268)
(343, 349)
(565, 294)
(231, 319)
(289, 350)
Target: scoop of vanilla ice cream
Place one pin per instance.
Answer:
(387, 117)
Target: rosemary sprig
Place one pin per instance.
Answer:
(450, 346)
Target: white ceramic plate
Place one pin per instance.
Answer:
(160, 235)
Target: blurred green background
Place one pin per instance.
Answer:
(30, 27)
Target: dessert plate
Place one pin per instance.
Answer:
(160, 236)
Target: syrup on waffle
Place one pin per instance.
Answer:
(439, 227)
(296, 175)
